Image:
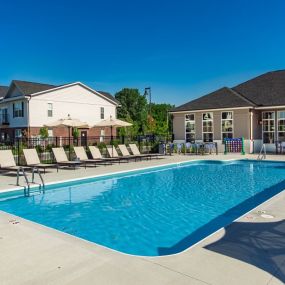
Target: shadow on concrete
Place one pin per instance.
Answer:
(259, 244)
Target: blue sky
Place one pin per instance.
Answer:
(182, 49)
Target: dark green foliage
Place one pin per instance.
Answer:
(44, 132)
(136, 110)
(133, 108)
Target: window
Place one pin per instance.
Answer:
(102, 116)
(102, 135)
(18, 110)
(208, 130)
(4, 116)
(50, 109)
(268, 127)
(281, 125)
(190, 128)
(227, 125)
(18, 133)
(50, 133)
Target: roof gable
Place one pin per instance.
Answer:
(3, 91)
(108, 95)
(23, 88)
(265, 90)
(28, 88)
(221, 98)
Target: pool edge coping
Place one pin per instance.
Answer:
(33, 186)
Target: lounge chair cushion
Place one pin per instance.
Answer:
(7, 159)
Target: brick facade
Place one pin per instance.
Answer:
(57, 132)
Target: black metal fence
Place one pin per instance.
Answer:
(44, 145)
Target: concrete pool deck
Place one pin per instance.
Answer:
(249, 251)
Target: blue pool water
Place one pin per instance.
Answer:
(156, 211)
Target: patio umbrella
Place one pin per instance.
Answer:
(70, 123)
(112, 122)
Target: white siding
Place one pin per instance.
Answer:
(75, 100)
(19, 122)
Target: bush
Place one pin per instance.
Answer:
(44, 133)
(101, 146)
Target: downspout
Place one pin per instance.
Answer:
(29, 97)
(251, 147)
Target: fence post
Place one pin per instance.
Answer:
(18, 149)
(139, 141)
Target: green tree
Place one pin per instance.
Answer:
(161, 118)
(44, 133)
(133, 108)
(75, 133)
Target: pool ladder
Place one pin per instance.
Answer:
(21, 170)
(262, 153)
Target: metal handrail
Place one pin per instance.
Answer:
(262, 153)
(27, 189)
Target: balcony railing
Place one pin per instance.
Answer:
(4, 119)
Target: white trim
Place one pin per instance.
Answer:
(185, 125)
(210, 110)
(274, 121)
(277, 124)
(251, 147)
(270, 107)
(212, 132)
(17, 98)
(226, 120)
(236, 108)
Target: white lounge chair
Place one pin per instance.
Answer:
(114, 154)
(136, 151)
(32, 159)
(81, 154)
(7, 161)
(126, 153)
(96, 154)
(62, 160)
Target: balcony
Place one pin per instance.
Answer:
(4, 119)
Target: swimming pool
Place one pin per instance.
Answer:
(157, 211)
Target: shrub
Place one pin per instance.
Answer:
(44, 133)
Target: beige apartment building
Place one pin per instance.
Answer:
(254, 110)
(25, 107)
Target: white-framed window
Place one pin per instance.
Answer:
(50, 110)
(18, 133)
(18, 110)
(50, 132)
(102, 135)
(208, 127)
(102, 113)
(227, 121)
(268, 127)
(4, 115)
(190, 128)
(281, 125)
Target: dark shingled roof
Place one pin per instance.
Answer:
(28, 88)
(222, 98)
(265, 90)
(3, 90)
(108, 95)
